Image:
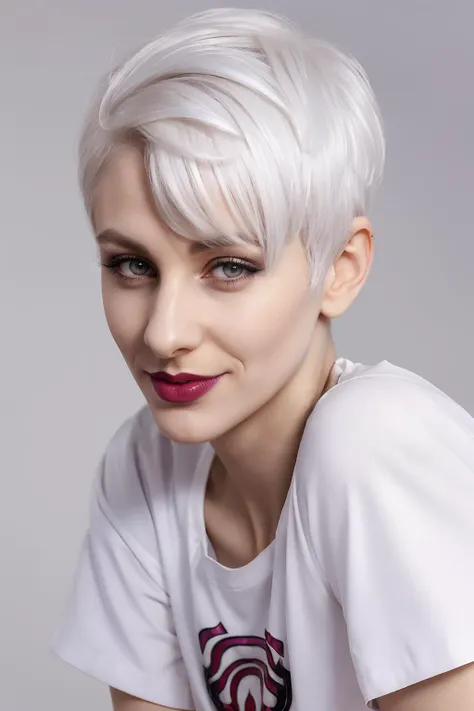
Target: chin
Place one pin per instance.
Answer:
(186, 427)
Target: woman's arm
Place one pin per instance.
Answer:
(452, 690)
(124, 702)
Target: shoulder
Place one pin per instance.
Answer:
(136, 475)
(379, 414)
(384, 492)
(130, 455)
(139, 447)
(382, 401)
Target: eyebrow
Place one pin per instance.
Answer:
(111, 235)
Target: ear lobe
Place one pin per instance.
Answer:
(334, 305)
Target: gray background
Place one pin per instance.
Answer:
(64, 387)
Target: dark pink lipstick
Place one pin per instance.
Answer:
(183, 387)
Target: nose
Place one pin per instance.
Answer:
(174, 322)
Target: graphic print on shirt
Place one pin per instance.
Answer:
(245, 673)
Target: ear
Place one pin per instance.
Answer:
(349, 271)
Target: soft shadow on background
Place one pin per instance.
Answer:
(65, 389)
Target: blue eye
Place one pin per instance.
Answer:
(138, 267)
(233, 270)
(226, 272)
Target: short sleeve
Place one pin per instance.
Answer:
(117, 624)
(391, 522)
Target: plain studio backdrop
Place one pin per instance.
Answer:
(64, 387)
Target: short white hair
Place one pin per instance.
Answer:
(240, 108)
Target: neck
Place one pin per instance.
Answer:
(254, 463)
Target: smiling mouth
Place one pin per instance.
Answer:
(181, 388)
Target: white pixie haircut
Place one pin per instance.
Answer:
(239, 109)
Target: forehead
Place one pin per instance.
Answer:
(122, 186)
(124, 205)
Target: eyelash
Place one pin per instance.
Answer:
(115, 263)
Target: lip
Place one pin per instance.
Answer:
(183, 387)
(179, 377)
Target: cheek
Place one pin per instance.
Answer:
(268, 328)
(125, 313)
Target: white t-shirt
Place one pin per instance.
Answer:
(368, 586)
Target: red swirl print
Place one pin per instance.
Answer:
(245, 673)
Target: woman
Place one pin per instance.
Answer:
(277, 528)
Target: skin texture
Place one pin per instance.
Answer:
(124, 702)
(271, 337)
(268, 333)
(452, 691)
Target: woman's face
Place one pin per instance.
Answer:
(176, 307)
